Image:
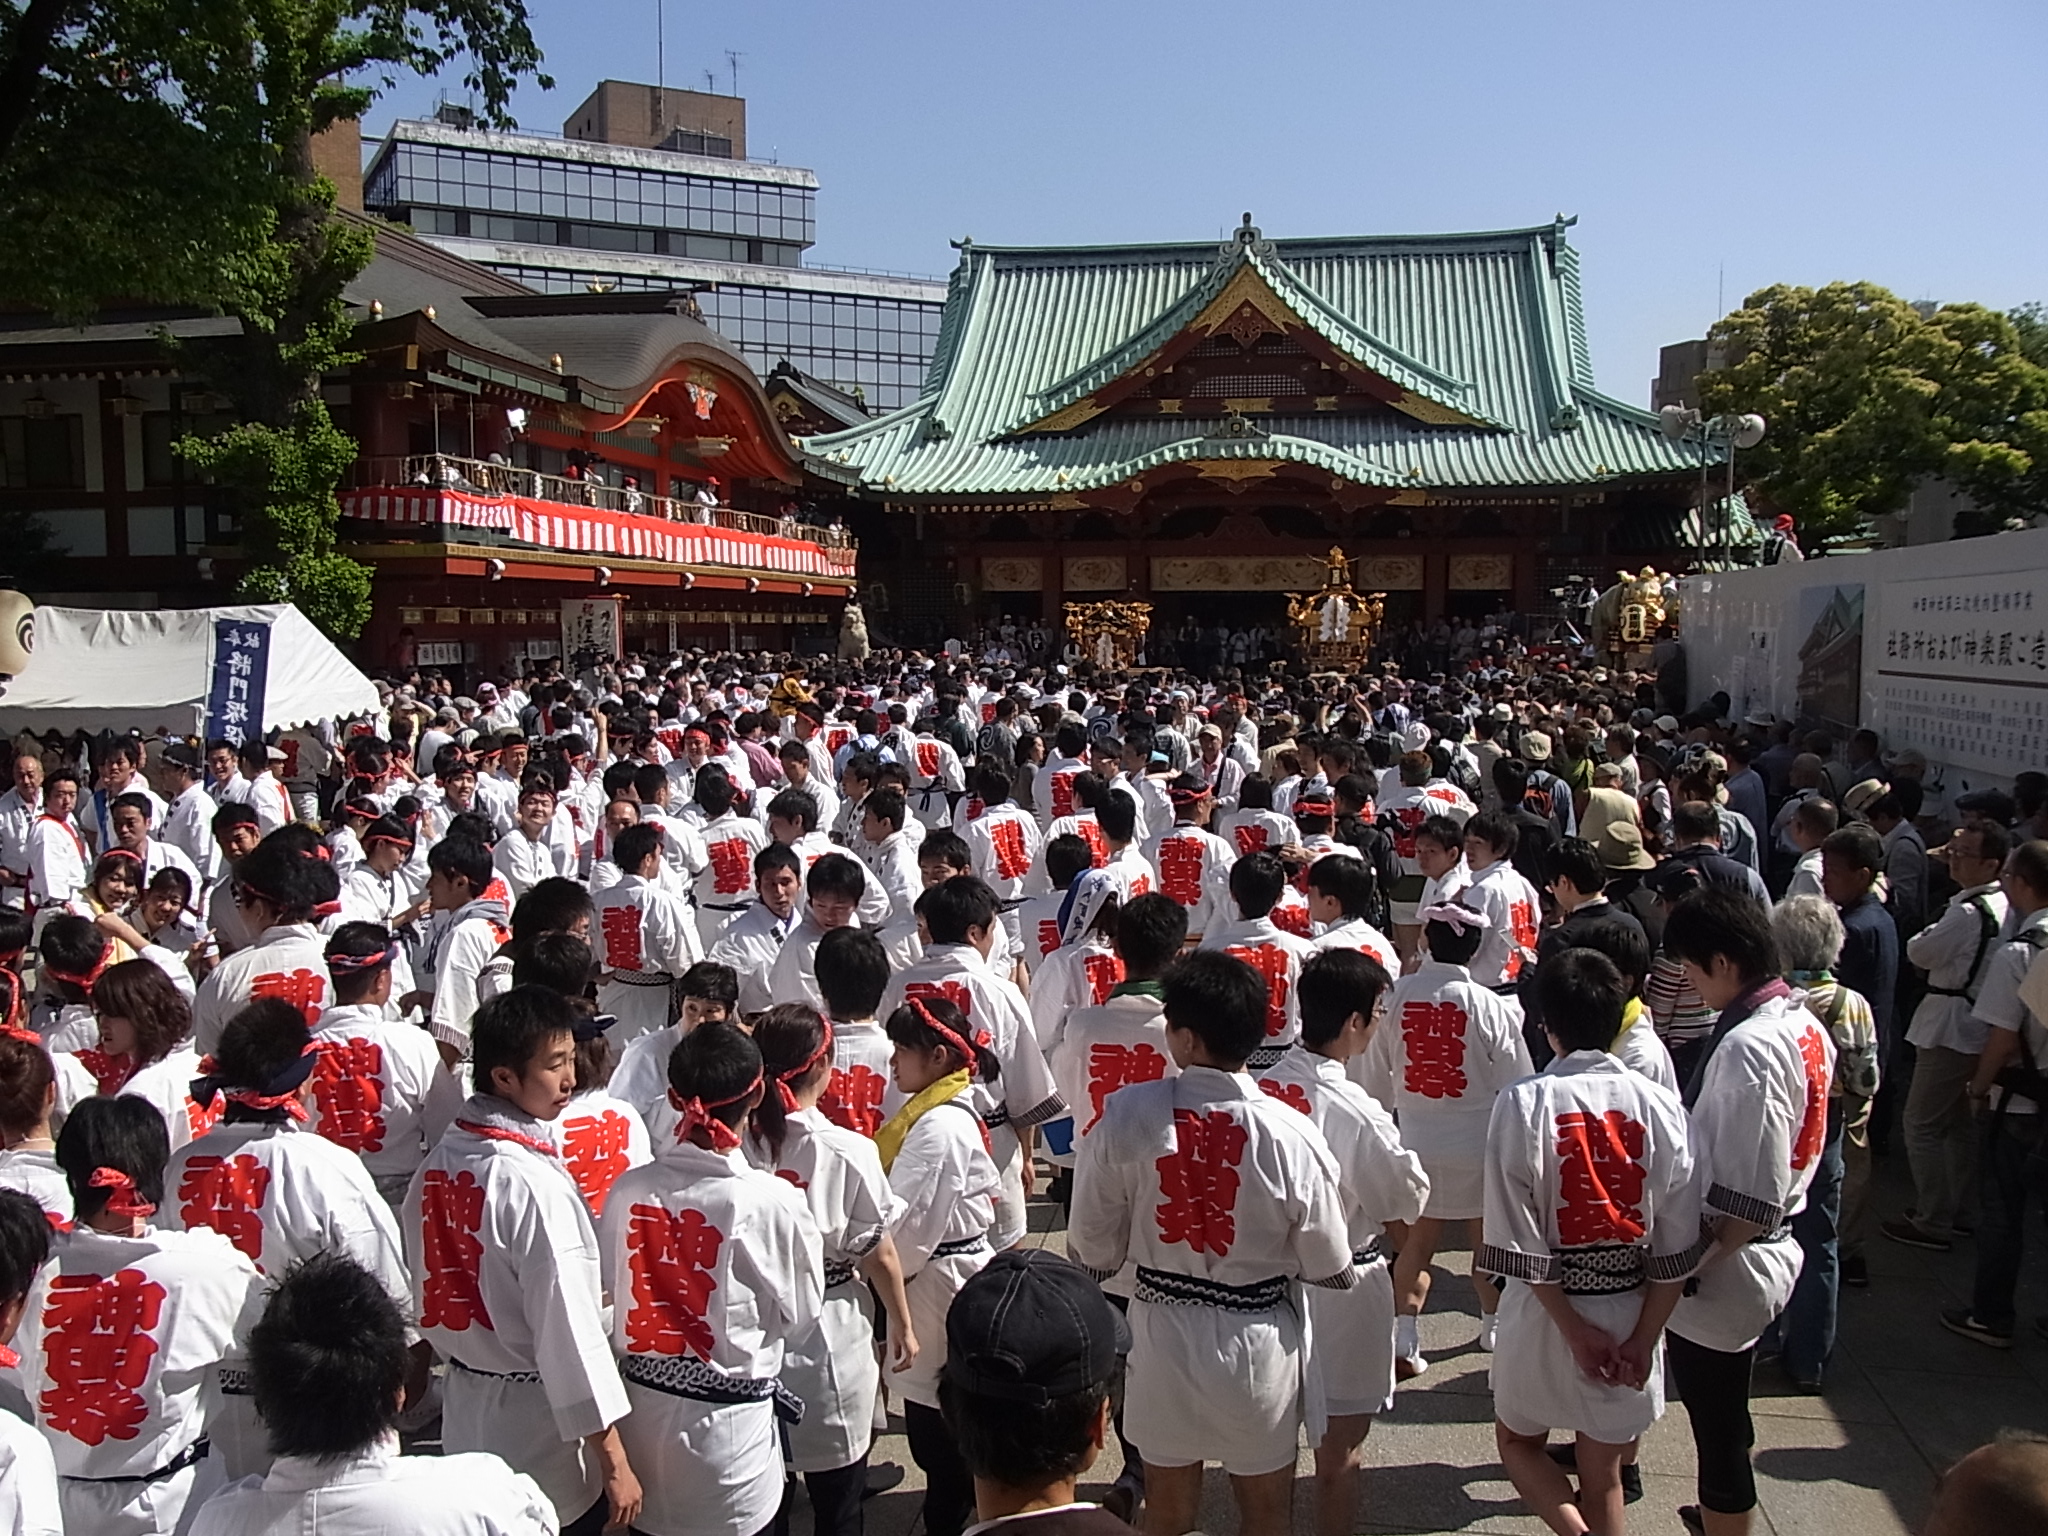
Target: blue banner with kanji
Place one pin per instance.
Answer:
(241, 667)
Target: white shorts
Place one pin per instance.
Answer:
(1353, 1339)
(1211, 1385)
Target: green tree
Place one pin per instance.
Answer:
(239, 89)
(1867, 396)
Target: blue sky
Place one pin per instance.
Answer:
(1706, 149)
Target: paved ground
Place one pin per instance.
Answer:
(1903, 1399)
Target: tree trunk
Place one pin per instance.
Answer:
(21, 76)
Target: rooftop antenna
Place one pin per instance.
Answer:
(711, 82)
(732, 59)
(660, 44)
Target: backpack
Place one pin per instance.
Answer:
(2025, 1077)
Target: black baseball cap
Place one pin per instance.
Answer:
(1032, 1327)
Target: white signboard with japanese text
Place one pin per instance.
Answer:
(1960, 668)
(591, 628)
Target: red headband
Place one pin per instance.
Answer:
(803, 1069)
(123, 1199)
(697, 1116)
(354, 965)
(85, 981)
(122, 853)
(968, 1054)
(282, 1092)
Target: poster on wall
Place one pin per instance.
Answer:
(591, 629)
(1829, 622)
(1960, 669)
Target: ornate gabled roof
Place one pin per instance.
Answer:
(1473, 345)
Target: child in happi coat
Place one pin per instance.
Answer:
(1121, 1040)
(1126, 864)
(713, 1269)
(1341, 892)
(1256, 881)
(731, 839)
(379, 1088)
(327, 1372)
(75, 955)
(646, 937)
(279, 891)
(1038, 919)
(935, 1151)
(831, 1366)
(127, 1328)
(1593, 1220)
(29, 1502)
(1193, 862)
(710, 994)
(1224, 1198)
(145, 1049)
(1081, 972)
(471, 914)
(1451, 1047)
(1514, 911)
(28, 1098)
(506, 1275)
(961, 918)
(1382, 1181)
(277, 1193)
(1004, 841)
(853, 972)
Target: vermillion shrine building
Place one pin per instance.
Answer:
(1196, 427)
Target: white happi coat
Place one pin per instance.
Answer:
(1759, 1123)
(750, 945)
(646, 938)
(119, 1348)
(64, 1026)
(288, 961)
(860, 1094)
(950, 1188)
(57, 862)
(876, 903)
(280, 1195)
(524, 861)
(1132, 871)
(602, 1137)
(641, 1080)
(33, 1171)
(1447, 1046)
(168, 1085)
(1381, 1181)
(506, 1284)
(1077, 975)
(1589, 1174)
(465, 943)
(381, 1092)
(376, 1491)
(935, 777)
(893, 863)
(1024, 1095)
(715, 1265)
(1356, 933)
(832, 1364)
(1509, 943)
(1278, 956)
(1084, 825)
(1203, 1177)
(794, 976)
(1258, 831)
(1053, 788)
(1038, 927)
(1107, 1046)
(1005, 845)
(1194, 869)
(724, 888)
(30, 1504)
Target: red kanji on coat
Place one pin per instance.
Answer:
(1013, 856)
(731, 866)
(1048, 936)
(1199, 1180)
(954, 992)
(1293, 1095)
(1270, 961)
(1250, 839)
(928, 759)
(451, 1287)
(1090, 832)
(226, 1194)
(305, 990)
(1180, 869)
(1813, 1124)
(1062, 794)
(1112, 1066)
(621, 927)
(1402, 824)
(1599, 1178)
(348, 1093)
(594, 1149)
(1103, 973)
(1290, 917)
(1522, 925)
(96, 1351)
(1433, 1038)
(853, 1099)
(201, 1118)
(670, 1255)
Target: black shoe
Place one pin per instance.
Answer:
(882, 1476)
(1960, 1320)
(1910, 1233)
(1690, 1514)
(1856, 1273)
(1567, 1456)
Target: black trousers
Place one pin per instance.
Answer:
(835, 1501)
(1714, 1386)
(948, 1486)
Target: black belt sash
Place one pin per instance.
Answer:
(687, 1377)
(192, 1455)
(1374, 1252)
(1606, 1270)
(1164, 1288)
(960, 1245)
(838, 1274)
(522, 1378)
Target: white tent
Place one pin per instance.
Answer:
(96, 669)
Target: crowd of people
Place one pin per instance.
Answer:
(637, 1084)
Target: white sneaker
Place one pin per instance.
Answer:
(1408, 1367)
(1486, 1332)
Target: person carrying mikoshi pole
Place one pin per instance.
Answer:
(1593, 1221)
(1452, 1046)
(714, 1268)
(1244, 1203)
(1342, 991)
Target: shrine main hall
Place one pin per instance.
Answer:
(1195, 427)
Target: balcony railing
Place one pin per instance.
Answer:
(480, 477)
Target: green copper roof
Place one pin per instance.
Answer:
(1483, 333)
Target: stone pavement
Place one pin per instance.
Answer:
(1903, 1399)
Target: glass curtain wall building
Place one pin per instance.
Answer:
(573, 215)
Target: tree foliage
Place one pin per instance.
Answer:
(166, 150)
(1868, 395)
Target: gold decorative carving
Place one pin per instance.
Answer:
(1068, 417)
(1169, 407)
(1336, 623)
(1429, 411)
(1391, 573)
(1109, 634)
(1220, 573)
(1239, 469)
(1481, 573)
(1251, 405)
(1411, 497)
(1246, 287)
(1067, 504)
(1012, 573)
(1246, 326)
(1093, 573)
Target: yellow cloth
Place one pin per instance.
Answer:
(890, 1138)
(1629, 1015)
(784, 697)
